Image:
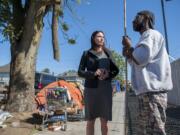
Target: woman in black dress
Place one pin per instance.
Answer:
(98, 69)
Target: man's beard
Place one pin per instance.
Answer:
(137, 27)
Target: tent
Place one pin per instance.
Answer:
(75, 94)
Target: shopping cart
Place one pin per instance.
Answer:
(55, 116)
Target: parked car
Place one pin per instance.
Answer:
(43, 79)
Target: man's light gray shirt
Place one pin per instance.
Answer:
(154, 71)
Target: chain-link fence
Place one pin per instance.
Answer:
(173, 116)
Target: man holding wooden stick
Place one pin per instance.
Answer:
(151, 74)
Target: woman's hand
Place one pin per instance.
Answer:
(105, 74)
(98, 72)
(102, 74)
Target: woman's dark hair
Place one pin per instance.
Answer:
(93, 44)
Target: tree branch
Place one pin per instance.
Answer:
(54, 26)
(50, 2)
(18, 17)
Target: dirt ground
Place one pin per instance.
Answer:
(21, 124)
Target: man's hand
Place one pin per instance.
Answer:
(127, 52)
(126, 42)
(127, 49)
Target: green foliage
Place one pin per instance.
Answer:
(121, 65)
(46, 70)
(13, 13)
(6, 27)
(65, 29)
(60, 13)
(71, 41)
(65, 26)
(78, 1)
(70, 72)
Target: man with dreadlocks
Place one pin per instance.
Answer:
(150, 73)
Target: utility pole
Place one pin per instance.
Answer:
(165, 28)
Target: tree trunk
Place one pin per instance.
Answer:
(23, 62)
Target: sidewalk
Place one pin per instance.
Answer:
(116, 126)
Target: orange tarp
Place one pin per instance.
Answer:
(75, 93)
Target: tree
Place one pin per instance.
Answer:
(121, 65)
(21, 22)
(70, 72)
(46, 70)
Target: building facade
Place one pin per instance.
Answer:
(4, 74)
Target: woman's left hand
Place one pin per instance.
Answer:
(104, 75)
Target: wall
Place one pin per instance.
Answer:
(174, 95)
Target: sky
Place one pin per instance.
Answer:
(105, 15)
